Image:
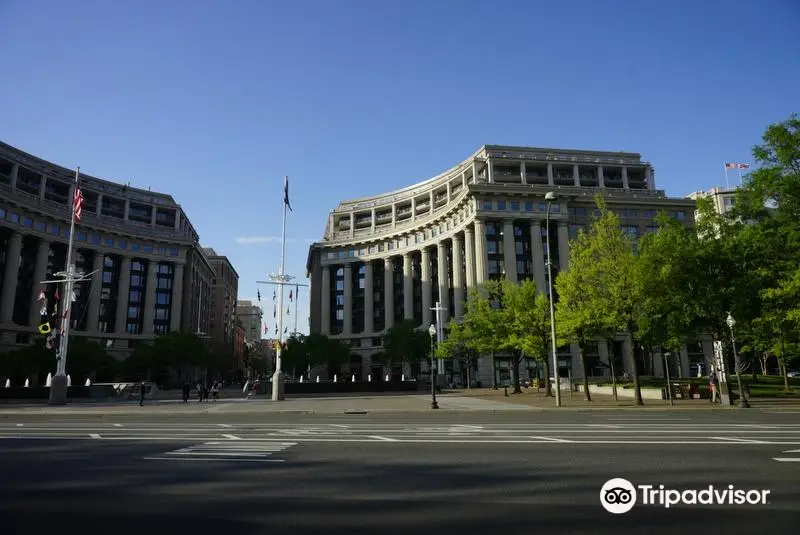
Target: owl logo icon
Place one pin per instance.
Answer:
(618, 496)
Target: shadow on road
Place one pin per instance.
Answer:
(78, 486)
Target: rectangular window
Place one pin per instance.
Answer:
(487, 205)
(528, 206)
(515, 206)
(501, 205)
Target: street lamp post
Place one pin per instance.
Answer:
(550, 197)
(742, 401)
(432, 331)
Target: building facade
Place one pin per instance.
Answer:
(224, 291)
(250, 316)
(149, 273)
(391, 257)
(724, 199)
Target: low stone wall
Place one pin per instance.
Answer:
(624, 392)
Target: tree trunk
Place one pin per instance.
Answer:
(517, 362)
(764, 360)
(586, 395)
(469, 372)
(494, 373)
(637, 387)
(548, 388)
(783, 363)
(611, 357)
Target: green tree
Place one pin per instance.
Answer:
(580, 313)
(528, 315)
(88, 359)
(607, 265)
(404, 343)
(460, 343)
(484, 317)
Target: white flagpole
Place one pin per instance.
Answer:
(277, 379)
(740, 175)
(727, 185)
(58, 388)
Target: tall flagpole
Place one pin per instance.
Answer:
(277, 378)
(58, 386)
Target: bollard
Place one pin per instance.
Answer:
(8, 383)
(27, 383)
(49, 380)
(88, 382)
(353, 378)
(301, 378)
(69, 380)
(387, 378)
(369, 378)
(403, 377)
(317, 378)
(505, 390)
(335, 378)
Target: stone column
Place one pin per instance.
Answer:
(576, 175)
(489, 170)
(369, 299)
(408, 288)
(563, 246)
(600, 178)
(10, 277)
(444, 287)
(550, 174)
(347, 325)
(325, 292)
(427, 289)
(523, 172)
(648, 176)
(39, 273)
(469, 258)
(625, 184)
(509, 251)
(123, 289)
(458, 282)
(150, 297)
(480, 252)
(388, 292)
(537, 256)
(95, 292)
(14, 175)
(177, 298)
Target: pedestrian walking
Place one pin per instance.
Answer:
(142, 392)
(215, 391)
(712, 386)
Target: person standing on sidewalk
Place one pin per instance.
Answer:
(142, 392)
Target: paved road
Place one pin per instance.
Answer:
(334, 475)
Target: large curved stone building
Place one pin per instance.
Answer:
(393, 256)
(152, 277)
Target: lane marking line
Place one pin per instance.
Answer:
(225, 425)
(384, 439)
(739, 440)
(787, 459)
(94, 435)
(20, 425)
(551, 439)
(232, 437)
(117, 425)
(212, 459)
(340, 425)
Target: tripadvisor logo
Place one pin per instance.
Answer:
(620, 495)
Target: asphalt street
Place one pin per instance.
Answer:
(364, 473)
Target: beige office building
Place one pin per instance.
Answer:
(391, 257)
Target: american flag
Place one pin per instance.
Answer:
(77, 203)
(730, 165)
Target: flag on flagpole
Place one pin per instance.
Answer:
(734, 165)
(273, 295)
(274, 311)
(258, 292)
(286, 193)
(77, 202)
(290, 296)
(288, 312)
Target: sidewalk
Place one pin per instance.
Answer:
(533, 398)
(485, 401)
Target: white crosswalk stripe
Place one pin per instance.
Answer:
(232, 451)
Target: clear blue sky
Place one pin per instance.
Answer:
(215, 101)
